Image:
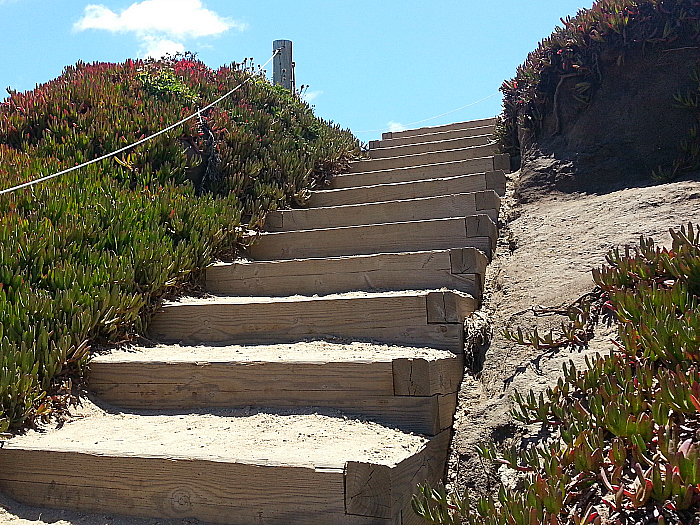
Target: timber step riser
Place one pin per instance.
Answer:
(429, 147)
(421, 159)
(460, 269)
(432, 137)
(437, 129)
(423, 319)
(475, 231)
(493, 180)
(414, 395)
(439, 207)
(429, 171)
(219, 492)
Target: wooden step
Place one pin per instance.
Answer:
(422, 159)
(434, 129)
(420, 318)
(225, 467)
(428, 147)
(440, 207)
(416, 173)
(460, 269)
(474, 231)
(411, 389)
(493, 180)
(433, 137)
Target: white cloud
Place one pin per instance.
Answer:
(395, 126)
(160, 25)
(152, 47)
(309, 96)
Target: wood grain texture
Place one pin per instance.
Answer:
(390, 271)
(429, 146)
(393, 319)
(434, 136)
(407, 190)
(488, 200)
(502, 162)
(428, 467)
(422, 159)
(368, 490)
(412, 377)
(209, 491)
(449, 307)
(414, 173)
(447, 405)
(436, 234)
(468, 261)
(425, 208)
(434, 129)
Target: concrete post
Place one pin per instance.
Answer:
(282, 65)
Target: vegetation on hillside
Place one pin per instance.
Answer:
(622, 441)
(86, 256)
(575, 50)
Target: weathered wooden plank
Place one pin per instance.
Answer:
(412, 377)
(190, 384)
(447, 404)
(368, 490)
(414, 173)
(435, 136)
(388, 271)
(488, 200)
(502, 162)
(174, 488)
(421, 159)
(468, 261)
(496, 180)
(410, 414)
(446, 375)
(394, 318)
(409, 190)
(435, 234)
(429, 146)
(444, 127)
(448, 307)
(430, 466)
(424, 208)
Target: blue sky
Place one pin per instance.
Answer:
(370, 65)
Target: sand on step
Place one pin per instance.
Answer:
(318, 438)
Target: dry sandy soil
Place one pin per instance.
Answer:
(544, 258)
(546, 251)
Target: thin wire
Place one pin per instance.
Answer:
(138, 142)
(433, 118)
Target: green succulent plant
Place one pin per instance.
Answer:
(624, 431)
(87, 256)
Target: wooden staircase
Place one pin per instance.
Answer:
(318, 383)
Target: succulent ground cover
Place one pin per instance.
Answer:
(85, 257)
(621, 436)
(577, 52)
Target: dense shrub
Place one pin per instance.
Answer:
(86, 256)
(623, 433)
(576, 51)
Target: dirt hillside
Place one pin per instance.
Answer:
(546, 251)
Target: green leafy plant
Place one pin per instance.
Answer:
(623, 431)
(87, 257)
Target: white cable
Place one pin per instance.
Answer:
(117, 152)
(432, 118)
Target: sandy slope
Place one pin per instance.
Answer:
(544, 258)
